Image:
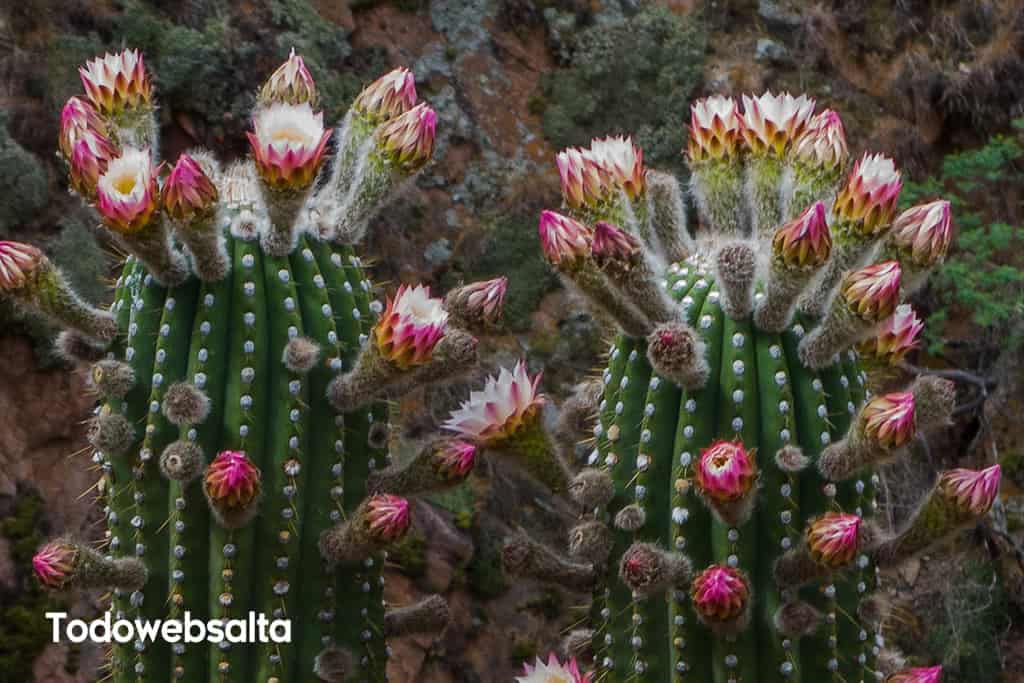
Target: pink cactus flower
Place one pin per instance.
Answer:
(76, 118)
(455, 458)
(408, 140)
(291, 83)
(387, 517)
(54, 563)
(898, 335)
(974, 491)
(91, 153)
(288, 144)
(931, 674)
(889, 420)
(410, 327)
(805, 242)
(622, 162)
(869, 197)
(823, 143)
(188, 192)
(117, 82)
(771, 123)
(565, 241)
(873, 291)
(716, 128)
(720, 593)
(612, 244)
(391, 95)
(553, 671)
(726, 471)
(833, 538)
(506, 402)
(127, 193)
(18, 263)
(585, 181)
(232, 480)
(923, 233)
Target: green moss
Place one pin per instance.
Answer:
(653, 57)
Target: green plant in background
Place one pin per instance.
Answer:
(653, 57)
(725, 509)
(984, 277)
(241, 434)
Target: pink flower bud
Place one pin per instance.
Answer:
(387, 517)
(612, 244)
(54, 563)
(823, 143)
(91, 153)
(833, 538)
(585, 182)
(391, 95)
(898, 335)
(291, 83)
(408, 140)
(889, 420)
(873, 291)
(973, 491)
(232, 480)
(932, 674)
(869, 197)
(565, 241)
(410, 327)
(18, 263)
(726, 471)
(804, 242)
(455, 458)
(923, 233)
(479, 301)
(77, 118)
(188, 191)
(720, 593)
(716, 128)
(773, 122)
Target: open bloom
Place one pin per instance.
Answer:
(873, 291)
(188, 191)
(771, 123)
(720, 593)
(869, 197)
(387, 517)
(291, 83)
(455, 458)
(127, 194)
(716, 128)
(898, 335)
(553, 671)
(76, 118)
(931, 674)
(54, 563)
(612, 244)
(973, 491)
(726, 471)
(408, 140)
(889, 420)
(410, 327)
(498, 411)
(288, 145)
(823, 143)
(18, 262)
(622, 162)
(389, 96)
(585, 181)
(116, 82)
(804, 242)
(565, 241)
(833, 538)
(232, 480)
(922, 233)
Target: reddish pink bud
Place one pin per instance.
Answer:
(585, 182)
(898, 335)
(889, 420)
(804, 242)
(874, 291)
(823, 143)
(870, 195)
(932, 674)
(833, 538)
(91, 153)
(387, 517)
(188, 191)
(479, 301)
(391, 95)
(54, 564)
(922, 233)
(973, 491)
(716, 128)
(565, 241)
(456, 458)
(720, 593)
(621, 162)
(408, 140)
(726, 471)
(116, 82)
(411, 326)
(76, 119)
(232, 480)
(612, 244)
(18, 263)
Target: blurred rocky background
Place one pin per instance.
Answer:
(939, 84)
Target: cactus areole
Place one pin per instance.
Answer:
(242, 371)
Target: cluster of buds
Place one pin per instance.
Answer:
(597, 174)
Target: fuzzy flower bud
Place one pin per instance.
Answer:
(410, 327)
(972, 491)
(506, 402)
(291, 83)
(54, 563)
(18, 263)
(922, 233)
(116, 82)
(805, 242)
(648, 570)
(407, 141)
(622, 163)
(585, 181)
(188, 192)
(716, 128)
(288, 145)
(726, 471)
(232, 480)
(612, 244)
(391, 95)
(873, 291)
(387, 517)
(90, 156)
(771, 123)
(870, 195)
(127, 194)
(455, 459)
(833, 539)
(823, 143)
(898, 335)
(553, 672)
(566, 242)
(889, 420)
(720, 594)
(480, 303)
(76, 119)
(931, 674)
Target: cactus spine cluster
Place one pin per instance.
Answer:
(241, 376)
(725, 509)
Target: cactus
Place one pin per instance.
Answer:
(725, 509)
(242, 378)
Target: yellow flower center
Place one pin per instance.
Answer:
(288, 135)
(124, 183)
